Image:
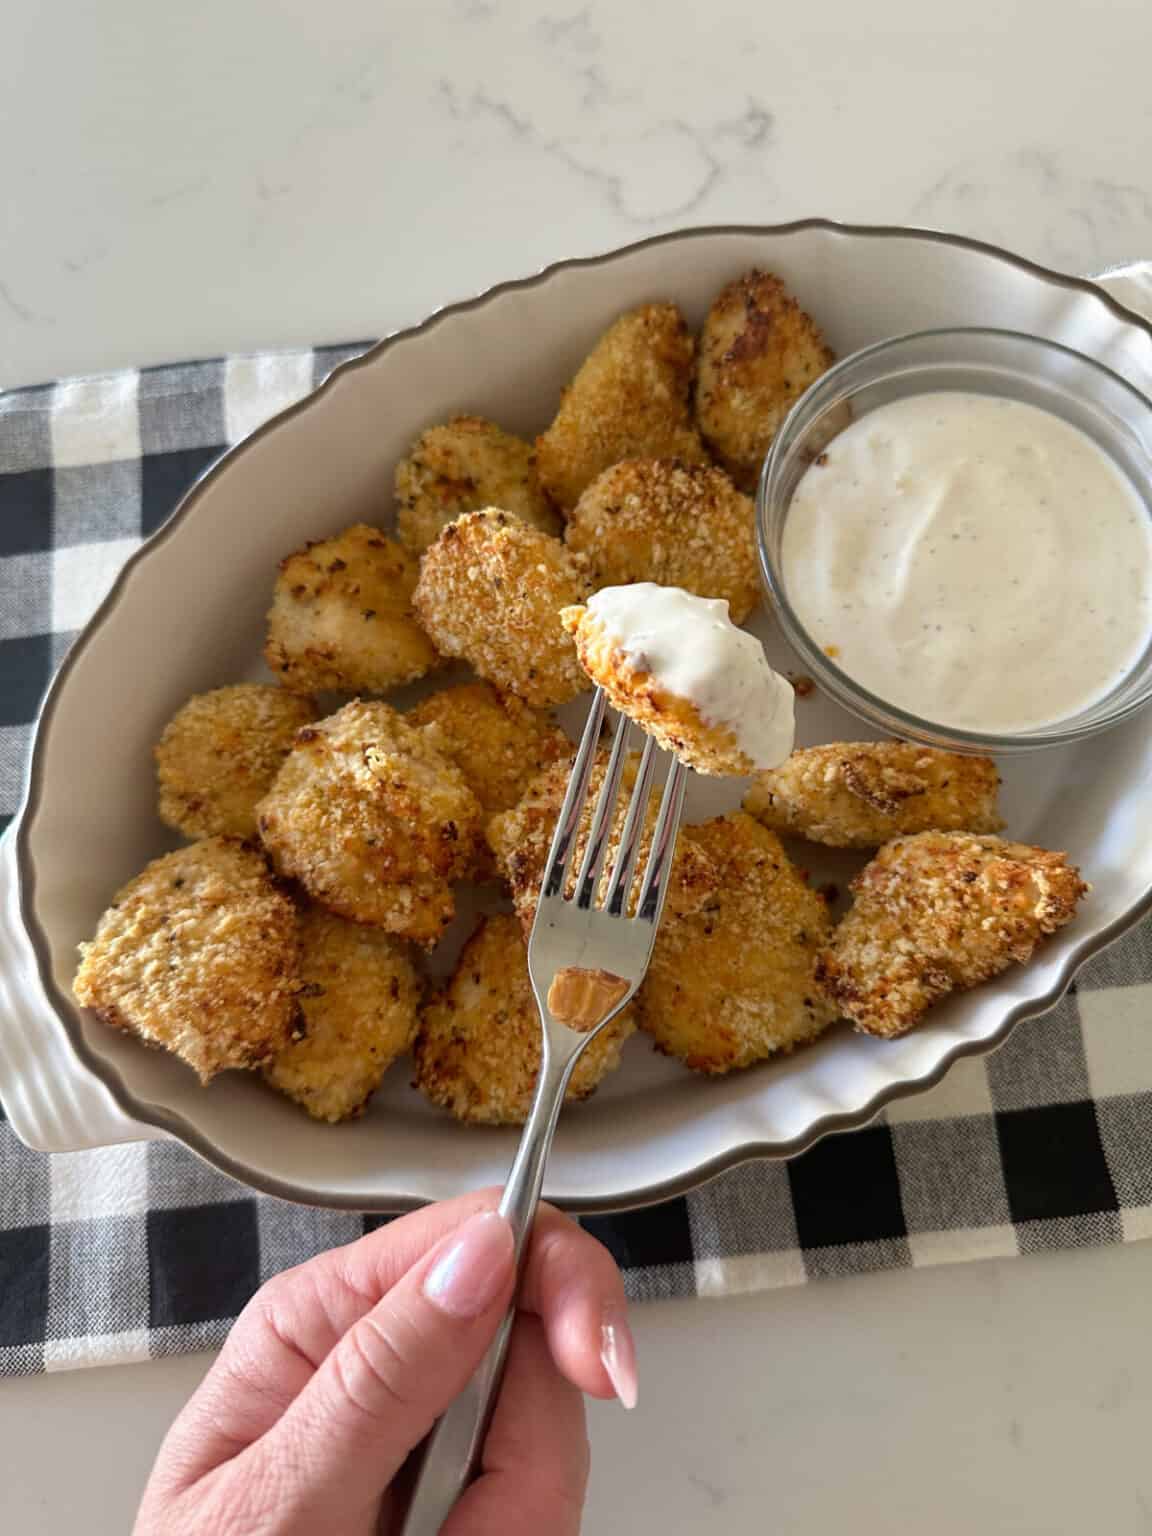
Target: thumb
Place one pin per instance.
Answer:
(379, 1391)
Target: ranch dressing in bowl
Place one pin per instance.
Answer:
(972, 559)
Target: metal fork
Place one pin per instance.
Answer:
(587, 955)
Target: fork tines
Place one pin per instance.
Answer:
(616, 900)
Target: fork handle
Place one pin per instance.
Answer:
(452, 1450)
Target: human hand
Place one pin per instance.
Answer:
(337, 1369)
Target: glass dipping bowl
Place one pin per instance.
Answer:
(991, 362)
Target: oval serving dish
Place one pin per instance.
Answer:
(187, 614)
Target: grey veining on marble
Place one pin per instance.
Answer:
(238, 176)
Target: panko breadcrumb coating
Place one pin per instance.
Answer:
(675, 722)
(630, 399)
(937, 913)
(498, 742)
(342, 617)
(464, 466)
(372, 821)
(860, 794)
(198, 954)
(521, 838)
(491, 590)
(735, 982)
(219, 754)
(681, 525)
(759, 351)
(360, 998)
(478, 1050)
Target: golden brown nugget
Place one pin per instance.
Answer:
(759, 351)
(735, 982)
(682, 525)
(737, 705)
(521, 838)
(860, 794)
(360, 999)
(629, 400)
(219, 754)
(937, 913)
(478, 1050)
(342, 617)
(198, 954)
(372, 821)
(490, 592)
(498, 742)
(464, 466)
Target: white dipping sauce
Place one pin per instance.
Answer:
(973, 560)
(692, 649)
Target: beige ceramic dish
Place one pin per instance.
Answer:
(187, 615)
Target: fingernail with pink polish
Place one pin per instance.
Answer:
(618, 1354)
(475, 1268)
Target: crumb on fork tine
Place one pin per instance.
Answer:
(478, 1050)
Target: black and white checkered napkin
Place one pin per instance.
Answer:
(142, 1250)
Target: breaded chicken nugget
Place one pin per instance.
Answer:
(491, 590)
(520, 839)
(735, 982)
(464, 466)
(676, 665)
(682, 525)
(498, 742)
(629, 400)
(478, 1050)
(860, 794)
(198, 954)
(219, 754)
(937, 913)
(372, 821)
(759, 352)
(360, 1000)
(342, 617)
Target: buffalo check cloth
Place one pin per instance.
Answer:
(137, 1251)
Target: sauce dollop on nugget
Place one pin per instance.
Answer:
(677, 665)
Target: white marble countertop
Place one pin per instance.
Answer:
(191, 180)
